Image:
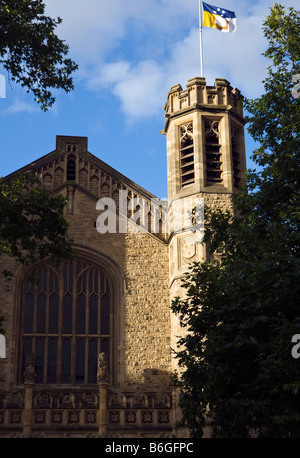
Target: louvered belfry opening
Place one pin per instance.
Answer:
(187, 165)
(236, 158)
(213, 153)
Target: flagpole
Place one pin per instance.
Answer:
(200, 33)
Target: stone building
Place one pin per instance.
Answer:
(88, 346)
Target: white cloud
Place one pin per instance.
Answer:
(94, 28)
(139, 49)
(90, 27)
(139, 87)
(19, 106)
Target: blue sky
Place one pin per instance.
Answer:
(129, 54)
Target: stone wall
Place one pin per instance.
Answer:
(138, 264)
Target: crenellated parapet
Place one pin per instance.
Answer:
(197, 95)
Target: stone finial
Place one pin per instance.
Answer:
(102, 372)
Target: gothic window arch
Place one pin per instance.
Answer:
(66, 321)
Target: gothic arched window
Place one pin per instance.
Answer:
(66, 322)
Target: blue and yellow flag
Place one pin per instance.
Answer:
(219, 18)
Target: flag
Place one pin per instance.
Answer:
(219, 18)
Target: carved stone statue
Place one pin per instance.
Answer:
(102, 372)
(29, 372)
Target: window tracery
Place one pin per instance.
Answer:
(66, 322)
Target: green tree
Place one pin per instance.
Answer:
(32, 223)
(31, 52)
(242, 306)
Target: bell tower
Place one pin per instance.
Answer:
(205, 138)
(206, 163)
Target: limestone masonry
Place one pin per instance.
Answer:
(88, 347)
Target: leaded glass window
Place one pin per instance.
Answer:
(66, 322)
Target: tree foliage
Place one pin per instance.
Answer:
(242, 306)
(32, 224)
(31, 52)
